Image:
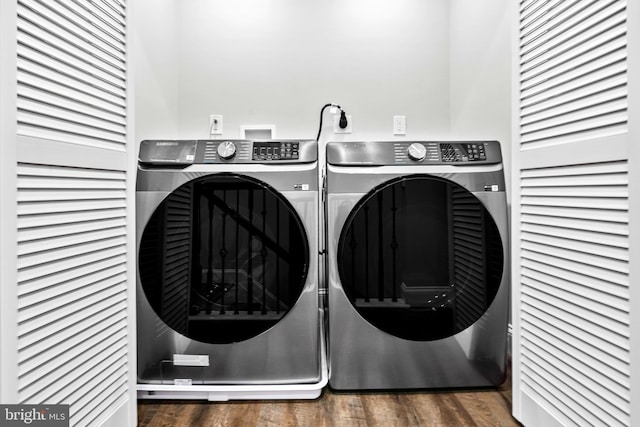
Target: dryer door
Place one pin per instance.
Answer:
(223, 258)
(420, 257)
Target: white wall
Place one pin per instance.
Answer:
(156, 74)
(480, 73)
(443, 64)
(278, 62)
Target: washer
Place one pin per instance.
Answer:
(417, 264)
(227, 289)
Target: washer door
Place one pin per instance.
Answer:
(420, 258)
(223, 258)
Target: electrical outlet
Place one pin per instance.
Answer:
(215, 124)
(336, 124)
(399, 125)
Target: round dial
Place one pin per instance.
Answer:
(417, 151)
(226, 150)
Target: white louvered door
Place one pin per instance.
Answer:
(74, 174)
(572, 289)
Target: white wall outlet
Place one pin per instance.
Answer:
(215, 124)
(336, 124)
(399, 125)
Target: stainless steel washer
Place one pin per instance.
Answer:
(227, 283)
(417, 264)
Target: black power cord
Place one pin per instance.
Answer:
(342, 122)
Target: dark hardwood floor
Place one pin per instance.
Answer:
(457, 408)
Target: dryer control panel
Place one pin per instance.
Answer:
(378, 153)
(226, 151)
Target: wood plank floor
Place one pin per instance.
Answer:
(429, 408)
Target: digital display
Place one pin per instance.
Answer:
(276, 150)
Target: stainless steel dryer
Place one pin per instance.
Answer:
(417, 264)
(227, 283)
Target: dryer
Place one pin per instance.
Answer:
(417, 264)
(227, 285)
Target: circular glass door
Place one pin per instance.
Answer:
(223, 258)
(420, 258)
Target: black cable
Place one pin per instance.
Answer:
(342, 116)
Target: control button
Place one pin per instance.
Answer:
(226, 150)
(417, 151)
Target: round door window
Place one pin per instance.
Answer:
(223, 258)
(420, 258)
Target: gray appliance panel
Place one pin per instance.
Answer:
(280, 178)
(364, 357)
(205, 151)
(287, 353)
(347, 183)
(378, 153)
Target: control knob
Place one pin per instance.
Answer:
(226, 150)
(417, 151)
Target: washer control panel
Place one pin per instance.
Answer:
(181, 153)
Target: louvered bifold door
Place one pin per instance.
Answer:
(571, 207)
(75, 182)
